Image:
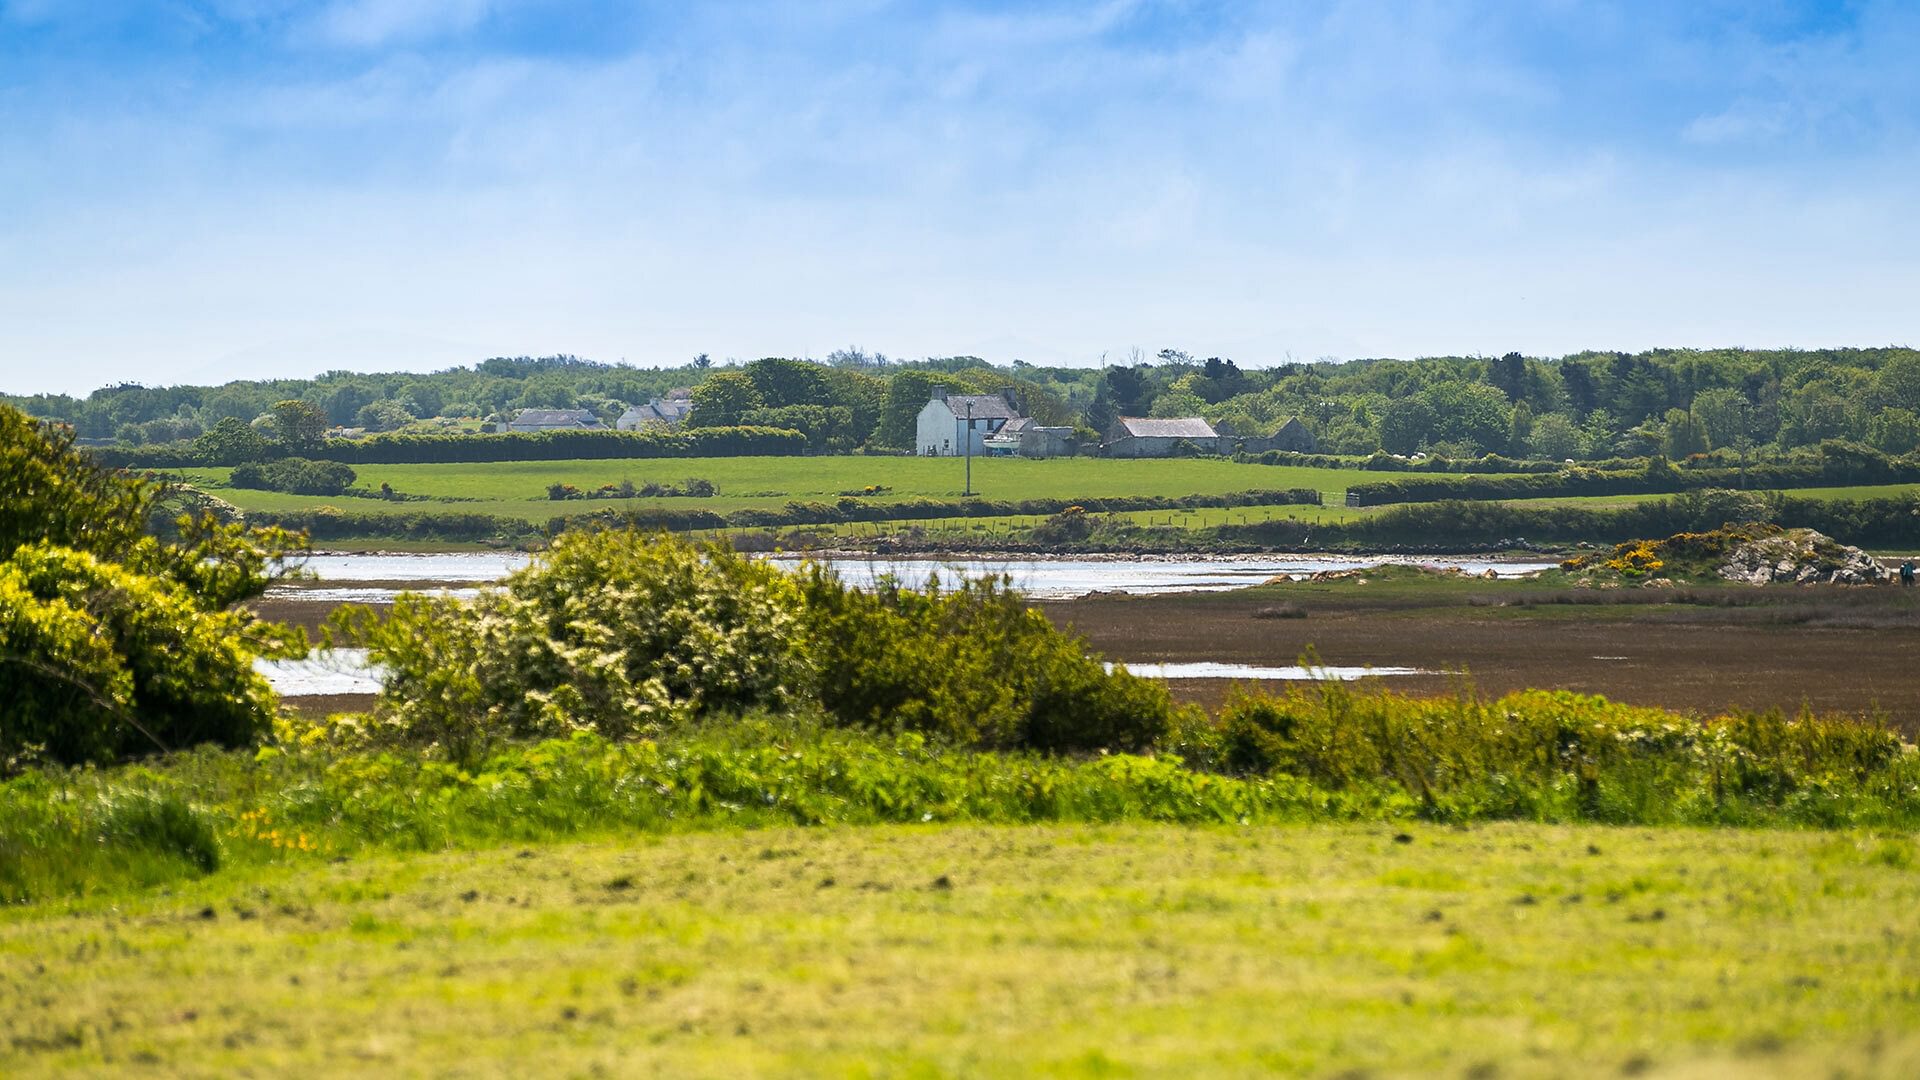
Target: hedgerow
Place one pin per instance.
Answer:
(1837, 464)
(397, 448)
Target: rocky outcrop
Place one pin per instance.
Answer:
(1801, 556)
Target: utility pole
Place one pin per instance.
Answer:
(969, 450)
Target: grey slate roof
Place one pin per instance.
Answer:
(985, 406)
(664, 410)
(560, 418)
(1186, 427)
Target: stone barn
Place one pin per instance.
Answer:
(1139, 437)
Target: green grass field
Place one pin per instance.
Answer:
(518, 489)
(1494, 951)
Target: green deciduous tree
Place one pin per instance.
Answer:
(1554, 436)
(1897, 383)
(1894, 431)
(781, 382)
(723, 399)
(1406, 424)
(1471, 413)
(1598, 433)
(1685, 435)
(421, 399)
(298, 426)
(384, 415)
(1722, 414)
(232, 442)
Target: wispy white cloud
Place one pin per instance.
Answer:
(1742, 122)
(747, 180)
(370, 23)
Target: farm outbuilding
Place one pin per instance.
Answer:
(1024, 438)
(1139, 437)
(1294, 436)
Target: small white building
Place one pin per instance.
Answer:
(533, 420)
(949, 423)
(1138, 437)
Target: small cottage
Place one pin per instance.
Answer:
(670, 410)
(536, 420)
(949, 423)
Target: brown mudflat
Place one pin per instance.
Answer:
(1856, 654)
(1701, 650)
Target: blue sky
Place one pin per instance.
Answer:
(197, 190)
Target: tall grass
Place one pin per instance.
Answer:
(1330, 754)
(1559, 756)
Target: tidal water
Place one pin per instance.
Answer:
(346, 671)
(375, 578)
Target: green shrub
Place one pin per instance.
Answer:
(625, 633)
(609, 631)
(297, 476)
(114, 642)
(972, 664)
(99, 662)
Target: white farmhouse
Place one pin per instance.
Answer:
(950, 422)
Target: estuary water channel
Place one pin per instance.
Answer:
(377, 578)
(336, 672)
(373, 579)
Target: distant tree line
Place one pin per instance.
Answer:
(1589, 406)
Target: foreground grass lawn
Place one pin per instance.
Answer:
(1505, 950)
